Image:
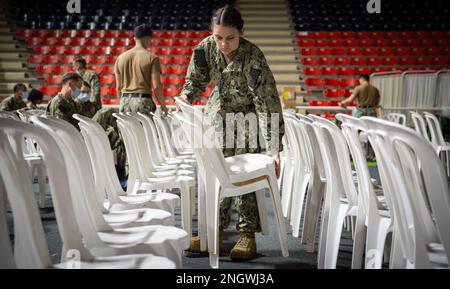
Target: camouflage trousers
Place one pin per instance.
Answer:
(366, 111)
(143, 105)
(246, 205)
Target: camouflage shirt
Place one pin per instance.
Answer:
(244, 85)
(93, 80)
(10, 104)
(63, 108)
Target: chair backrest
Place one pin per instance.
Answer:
(152, 137)
(351, 127)
(437, 139)
(86, 199)
(399, 118)
(31, 250)
(164, 135)
(419, 125)
(101, 156)
(420, 192)
(9, 114)
(336, 159)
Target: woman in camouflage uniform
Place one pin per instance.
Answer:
(243, 83)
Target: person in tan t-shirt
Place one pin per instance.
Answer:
(137, 74)
(368, 98)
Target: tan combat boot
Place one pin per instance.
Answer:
(195, 244)
(245, 248)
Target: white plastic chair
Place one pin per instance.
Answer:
(238, 175)
(156, 239)
(437, 139)
(141, 170)
(372, 213)
(419, 194)
(30, 246)
(123, 210)
(396, 117)
(420, 125)
(288, 164)
(341, 198)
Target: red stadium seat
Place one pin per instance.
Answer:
(370, 51)
(318, 35)
(107, 79)
(175, 70)
(373, 61)
(181, 34)
(386, 51)
(407, 61)
(179, 60)
(346, 71)
(179, 42)
(65, 68)
(366, 43)
(306, 43)
(333, 92)
(357, 61)
(411, 42)
(390, 61)
(426, 42)
(351, 42)
(308, 51)
(362, 70)
(323, 51)
(321, 43)
(381, 42)
(326, 61)
(330, 82)
(308, 61)
(44, 69)
(402, 51)
(333, 35)
(35, 59)
(163, 51)
(168, 34)
(178, 51)
(354, 51)
(50, 90)
(336, 43)
(349, 82)
(341, 61)
(338, 51)
(165, 42)
(397, 43)
(53, 79)
(303, 35)
(434, 51)
(170, 91)
(311, 71)
(172, 80)
(442, 60)
(392, 35)
(348, 35)
(108, 69)
(199, 34)
(329, 71)
(313, 82)
(164, 60)
(423, 60)
(193, 42)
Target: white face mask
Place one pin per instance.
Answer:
(75, 92)
(83, 97)
(79, 73)
(24, 95)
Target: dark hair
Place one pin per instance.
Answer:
(227, 16)
(81, 61)
(35, 95)
(85, 83)
(70, 76)
(141, 31)
(365, 77)
(18, 86)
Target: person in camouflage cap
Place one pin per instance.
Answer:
(63, 106)
(17, 100)
(243, 84)
(79, 66)
(85, 107)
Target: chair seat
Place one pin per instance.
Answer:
(245, 165)
(141, 216)
(141, 261)
(437, 255)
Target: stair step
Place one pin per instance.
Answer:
(284, 67)
(5, 30)
(7, 46)
(277, 49)
(287, 77)
(262, 13)
(274, 18)
(12, 75)
(282, 58)
(260, 1)
(6, 38)
(272, 41)
(5, 65)
(9, 56)
(262, 6)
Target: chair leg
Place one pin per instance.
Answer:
(262, 210)
(279, 215)
(358, 242)
(202, 227)
(376, 239)
(324, 228)
(311, 218)
(334, 236)
(286, 197)
(299, 206)
(186, 216)
(397, 261)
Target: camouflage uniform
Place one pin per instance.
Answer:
(105, 118)
(63, 108)
(92, 78)
(87, 109)
(245, 85)
(143, 105)
(10, 104)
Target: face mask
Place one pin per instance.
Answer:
(24, 95)
(75, 92)
(83, 97)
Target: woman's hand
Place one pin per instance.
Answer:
(276, 159)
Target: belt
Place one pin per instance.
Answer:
(136, 95)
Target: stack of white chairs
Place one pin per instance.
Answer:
(230, 177)
(142, 174)
(396, 117)
(70, 181)
(419, 125)
(417, 192)
(437, 139)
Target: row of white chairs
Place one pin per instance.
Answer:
(126, 230)
(318, 178)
